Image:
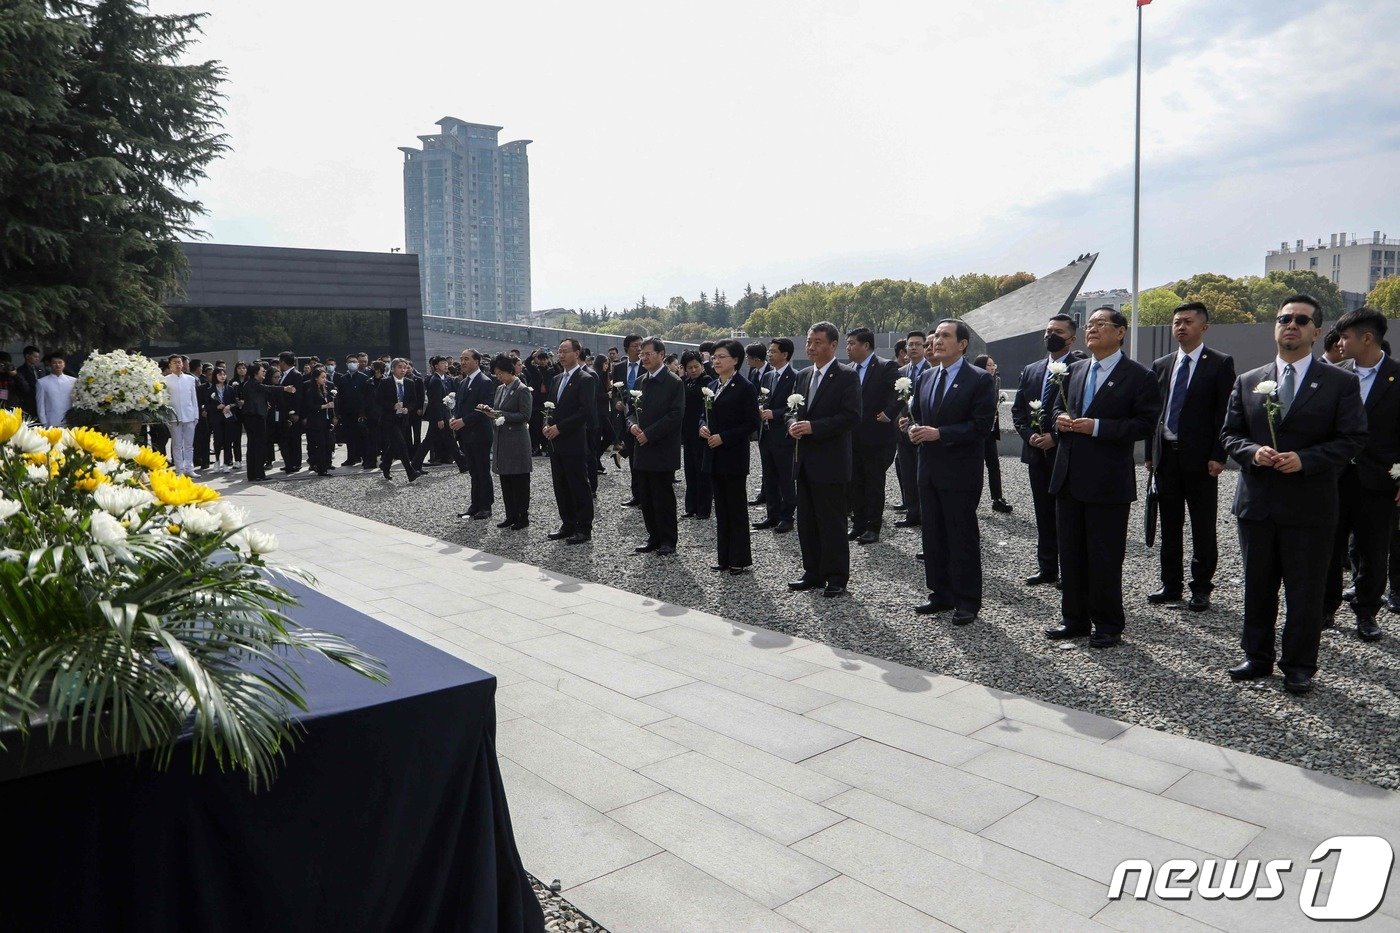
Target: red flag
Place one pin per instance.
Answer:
(1144, 2)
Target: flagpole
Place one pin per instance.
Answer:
(1137, 188)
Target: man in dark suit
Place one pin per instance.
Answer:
(1185, 454)
(436, 387)
(774, 444)
(821, 426)
(288, 404)
(1286, 499)
(629, 372)
(754, 369)
(1366, 491)
(350, 409)
(873, 441)
(951, 414)
(398, 399)
(1030, 415)
(655, 428)
(473, 433)
(906, 451)
(1111, 403)
(571, 421)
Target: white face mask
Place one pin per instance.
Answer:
(352, 367)
(330, 367)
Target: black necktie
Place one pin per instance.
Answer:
(938, 390)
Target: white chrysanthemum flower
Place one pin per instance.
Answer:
(196, 521)
(619, 385)
(903, 384)
(121, 477)
(500, 421)
(1266, 387)
(8, 508)
(231, 517)
(795, 400)
(636, 393)
(37, 474)
(10, 553)
(254, 541)
(118, 500)
(70, 513)
(1058, 368)
(29, 441)
(549, 406)
(707, 392)
(105, 529)
(107, 467)
(1395, 471)
(1035, 404)
(127, 450)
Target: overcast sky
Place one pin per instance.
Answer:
(679, 147)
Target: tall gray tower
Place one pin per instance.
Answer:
(466, 207)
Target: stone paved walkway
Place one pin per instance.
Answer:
(678, 771)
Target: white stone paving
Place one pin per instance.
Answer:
(678, 771)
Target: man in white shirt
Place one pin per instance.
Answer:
(184, 401)
(53, 394)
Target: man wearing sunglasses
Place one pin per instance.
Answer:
(1291, 436)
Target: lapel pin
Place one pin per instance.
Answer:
(1110, 385)
(952, 387)
(1312, 385)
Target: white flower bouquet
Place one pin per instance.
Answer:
(1059, 372)
(1269, 389)
(119, 388)
(904, 388)
(137, 606)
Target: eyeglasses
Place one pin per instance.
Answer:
(1302, 320)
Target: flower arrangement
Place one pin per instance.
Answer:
(119, 388)
(1269, 389)
(135, 605)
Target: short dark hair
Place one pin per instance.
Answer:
(863, 335)
(1198, 306)
(733, 347)
(629, 340)
(288, 357)
(1065, 318)
(1367, 319)
(1333, 337)
(826, 329)
(756, 351)
(707, 346)
(690, 356)
(961, 330)
(980, 360)
(900, 347)
(31, 349)
(1302, 299)
(917, 333)
(469, 352)
(503, 363)
(573, 344)
(53, 355)
(656, 345)
(784, 345)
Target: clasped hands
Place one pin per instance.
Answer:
(799, 429)
(1067, 425)
(637, 432)
(1288, 462)
(714, 440)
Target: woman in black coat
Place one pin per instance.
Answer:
(732, 418)
(698, 495)
(221, 412)
(990, 454)
(254, 403)
(318, 414)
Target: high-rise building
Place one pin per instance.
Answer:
(1352, 264)
(466, 211)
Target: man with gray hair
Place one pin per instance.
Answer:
(398, 399)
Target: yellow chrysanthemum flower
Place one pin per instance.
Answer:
(10, 422)
(173, 489)
(52, 435)
(152, 460)
(158, 386)
(90, 481)
(99, 445)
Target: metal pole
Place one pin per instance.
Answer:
(1137, 192)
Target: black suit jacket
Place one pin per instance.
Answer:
(662, 411)
(1028, 390)
(964, 420)
(1326, 427)
(878, 396)
(733, 416)
(574, 413)
(1207, 396)
(1382, 448)
(387, 395)
(1100, 469)
(289, 403)
(824, 456)
(437, 388)
(350, 395)
(475, 425)
(773, 432)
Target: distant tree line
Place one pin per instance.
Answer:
(1245, 300)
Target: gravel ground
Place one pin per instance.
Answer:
(1169, 674)
(560, 916)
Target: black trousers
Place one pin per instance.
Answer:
(436, 441)
(393, 445)
(732, 542)
(571, 493)
(515, 493)
(225, 431)
(475, 456)
(992, 455)
(536, 428)
(869, 467)
(629, 444)
(352, 433)
(1181, 491)
(1093, 543)
(1368, 515)
(698, 490)
(821, 531)
(952, 546)
(779, 488)
(257, 447)
(1047, 539)
(658, 498)
(1275, 554)
(274, 436)
(202, 435)
(289, 442)
(319, 451)
(907, 456)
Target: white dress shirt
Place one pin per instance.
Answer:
(1300, 372)
(1106, 367)
(184, 398)
(53, 396)
(819, 375)
(1365, 374)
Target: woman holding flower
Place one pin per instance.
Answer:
(731, 416)
(221, 410)
(318, 414)
(512, 458)
(698, 495)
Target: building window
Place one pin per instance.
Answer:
(1292, 265)
(1312, 262)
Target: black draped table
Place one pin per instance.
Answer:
(389, 814)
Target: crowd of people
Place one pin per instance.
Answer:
(1315, 440)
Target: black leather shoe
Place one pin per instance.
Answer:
(899, 508)
(854, 534)
(1063, 631)
(719, 568)
(1199, 602)
(632, 504)
(763, 525)
(645, 548)
(797, 586)
(466, 515)
(520, 525)
(834, 589)
(1251, 670)
(687, 515)
(1164, 595)
(739, 571)
(759, 501)
(1000, 505)
(919, 556)
(906, 523)
(665, 549)
(505, 524)
(481, 514)
(1329, 619)
(414, 475)
(564, 531)
(578, 537)
(1367, 629)
(963, 617)
(1393, 603)
(1349, 594)
(1039, 578)
(1105, 640)
(1297, 682)
(869, 537)
(783, 528)
(932, 608)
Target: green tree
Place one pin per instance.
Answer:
(695, 332)
(719, 311)
(1007, 284)
(1225, 307)
(1157, 305)
(103, 126)
(791, 311)
(1265, 296)
(1328, 295)
(621, 326)
(1385, 297)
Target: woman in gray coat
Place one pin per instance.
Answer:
(511, 457)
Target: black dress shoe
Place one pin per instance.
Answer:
(520, 525)
(763, 525)
(797, 586)
(919, 556)
(1367, 629)
(900, 508)
(1329, 619)
(1393, 603)
(466, 515)
(1251, 670)
(505, 524)
(665, 550)
(833, 590)
(1164, 595)
(1064, 630)
(414, 475)
(1349, 594)
(687, 515)
(1105, 639)
(1039, 578)
(719, 568)
(932, 608)
(480, 514)
(739, 571)
(963, 617)
(632, 504)
(1000, 505)
(869, 537)
(783, 528)
(563, 531)
(759, 501)
(578, 537)
(854, 534)
(906, 523)
(1297, 682)
(645, 548)
(1199, 602)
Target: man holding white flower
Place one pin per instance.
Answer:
(1292, 427)
(873, 441)
(655, 427)
(570, 410)
(473, 431)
